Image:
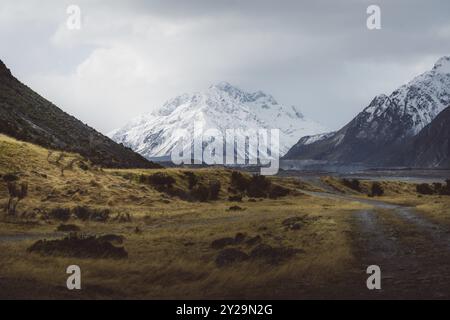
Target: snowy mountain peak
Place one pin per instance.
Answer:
(385, 123)
(222, 106)
(224, 86)
(442, 65)
(418, 102)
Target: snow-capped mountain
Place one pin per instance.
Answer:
(375, 133)
(220, 107)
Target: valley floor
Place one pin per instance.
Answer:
(316, 242)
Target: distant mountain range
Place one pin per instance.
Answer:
(221, 107)
(393, 130)
(410, 127)
(27, 116)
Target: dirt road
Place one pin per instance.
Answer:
(412, 252)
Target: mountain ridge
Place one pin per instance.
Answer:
(222, 106)
(27, 116)
(382, 127)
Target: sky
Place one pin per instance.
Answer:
(129, 57)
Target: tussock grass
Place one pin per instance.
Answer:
(168, 239)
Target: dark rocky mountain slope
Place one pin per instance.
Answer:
(376, 134)
(431, 147)
(26, 116)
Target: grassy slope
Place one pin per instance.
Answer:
(27, 116)
(171, 256)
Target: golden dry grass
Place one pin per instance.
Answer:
(171, 256)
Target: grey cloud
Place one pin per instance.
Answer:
(318, 55)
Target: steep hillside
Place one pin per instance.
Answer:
(27, 116)
(431, 147)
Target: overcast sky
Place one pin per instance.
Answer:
(131, 56)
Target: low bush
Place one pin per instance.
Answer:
(214, 190)
(435, 188)
(376, 190)
(192, 179)
(10, 177)
(161, 181)
(79, 247)
(200, 193)
(62, 214)
(424, 188)
(86, 213)
(278, 192)
(259, 187)
(239, 181)
(353, 184)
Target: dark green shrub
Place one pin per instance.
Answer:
(160, 180)
(352, 184)
(200, 193)
(377, 190)
(82, 213)
(10, 177)
(85, 213)
(192, 179)
(16, 194)
(278, 192)
(239, 181)
(258, 187)
(438, 187)
(446, 188)
(214, 190)
(62, 214)
(424, 188)
(79, 247)
(177, 192)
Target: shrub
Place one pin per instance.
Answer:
(85, 213)
(82, 213)
(278, 191)
(192, 179)
(424, 188)
(160, 180)
(10, 177)
(79, 247)
(352, 184)
(15, 192)
(62, 214)
(239, 181)
(377, 190)
(214, 190)
(229, 256)
(438, 187)
(177, 192)
(258, 187)
(201, 193)
(235, 208)
(446, 188)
